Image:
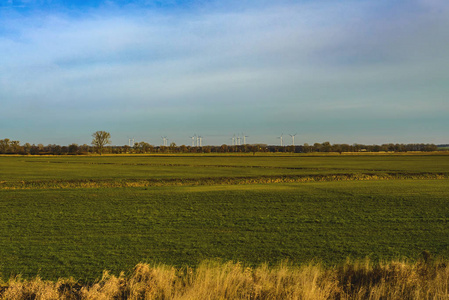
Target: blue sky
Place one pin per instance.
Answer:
(340, 71)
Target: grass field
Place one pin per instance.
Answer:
(56, 229)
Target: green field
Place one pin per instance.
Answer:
(51, 226)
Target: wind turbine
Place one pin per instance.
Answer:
(293, 138)
(164, 139)
(238, 139)
(201, 141)
(280, 137)
(244, 138)
(193, 140)
(233, 140)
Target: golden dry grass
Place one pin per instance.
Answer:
(214, 280)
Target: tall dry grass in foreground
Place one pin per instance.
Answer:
(213, 280)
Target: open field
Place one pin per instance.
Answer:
(114, 171)
(55, 229)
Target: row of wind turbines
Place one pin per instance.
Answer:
(282, 139)
(197, 140)
(236, 141)
(164, 141)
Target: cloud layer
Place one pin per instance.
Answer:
(352, 71)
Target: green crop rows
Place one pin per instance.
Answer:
(57, 231)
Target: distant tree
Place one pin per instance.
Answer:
(376, 148)
(142, 147)
(16, 148)
(163, 149)
(337, 148)
(84, 149)
(27, 148)
(317, 147)
(4, 145)
(430, 147)
(290, 148)
(345, 148)
(254, 148)
(64, 149)
(34, 150)
(100, 139)
(307, 148)
(326, 147)
(55, 149)
(207, 149)
(73, 148)
(172, 147)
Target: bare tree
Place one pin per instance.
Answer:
(100, 139)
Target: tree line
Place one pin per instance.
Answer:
(8, 146)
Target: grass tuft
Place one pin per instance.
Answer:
(215, 280)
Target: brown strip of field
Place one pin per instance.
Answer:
(202, 166)
(126, 183)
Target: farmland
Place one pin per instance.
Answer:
(77, 216)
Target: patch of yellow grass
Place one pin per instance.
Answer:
(214, 280)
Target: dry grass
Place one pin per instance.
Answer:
(130, 183)
(213, 280)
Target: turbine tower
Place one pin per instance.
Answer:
(293, 138)
(129, 142)
(244, 138)
(201, 141)
(238, 139)
(282, 142)
(193, 140)
(164, 139)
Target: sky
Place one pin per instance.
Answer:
(348, 71)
